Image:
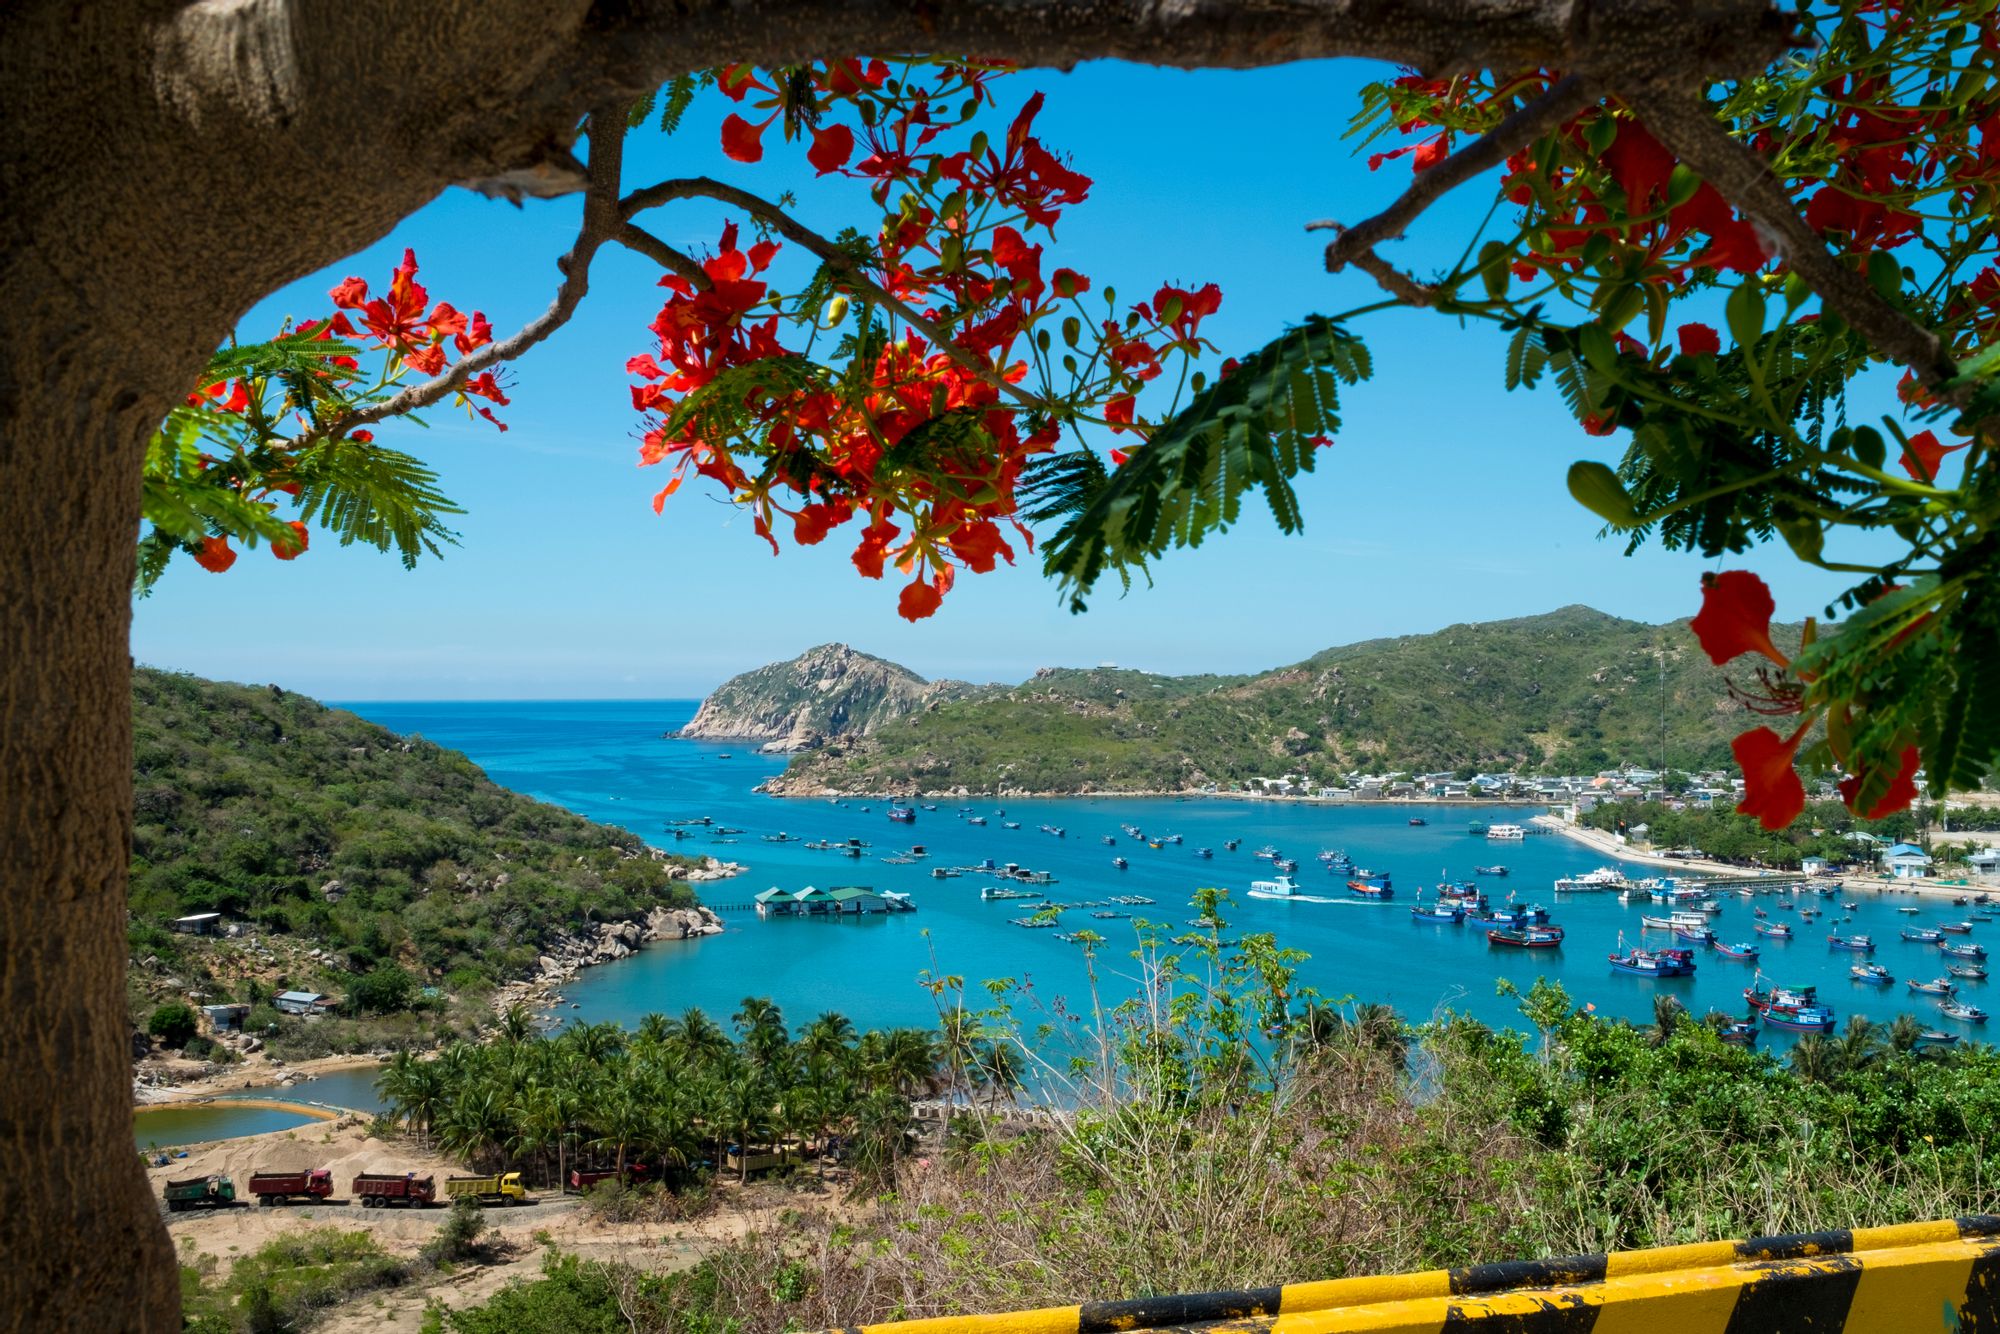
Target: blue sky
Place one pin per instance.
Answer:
(1442, 500)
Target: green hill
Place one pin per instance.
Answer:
(1572, 691)
(341, 850)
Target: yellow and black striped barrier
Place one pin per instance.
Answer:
(1906, 1279)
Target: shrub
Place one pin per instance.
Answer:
(457, 1237)
(173, 1024)
(384, 990)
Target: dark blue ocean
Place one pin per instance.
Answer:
(609, 760)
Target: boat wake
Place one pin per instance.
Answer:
(1312, 898)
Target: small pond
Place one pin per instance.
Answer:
(198, 1122)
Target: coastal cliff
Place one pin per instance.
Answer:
(825, 694)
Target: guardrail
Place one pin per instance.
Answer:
(1904, 1279)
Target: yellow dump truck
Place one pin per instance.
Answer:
(505, 1188)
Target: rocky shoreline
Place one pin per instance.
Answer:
(608, 942)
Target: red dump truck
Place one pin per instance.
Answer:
(583, 1178)
(284, 1187)
(379, 1190)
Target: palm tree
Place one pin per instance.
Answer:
(699, 1037)
(1667, 1015)
(746, 1103)
(654, 1029)
(1861, 1045)
(415, 1090)
(517, 1024)
(1905, 1032)
(756, 1012)
(1815, 1059)
(830, 1032)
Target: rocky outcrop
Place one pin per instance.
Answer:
(608, 942)
(824, 694)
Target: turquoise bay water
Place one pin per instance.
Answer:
(608, 761)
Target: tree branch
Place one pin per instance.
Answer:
(601, 222)
(1687, 127)
(1523, 126)
(833, 257)
(636, 238)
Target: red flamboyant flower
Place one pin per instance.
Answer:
(1735, 617)
(1598, 423)
(289, 550)
(350, 293)
(920, 599)
(1901, 792)
(215, 555)
(742, 141)
(1068, 282)
(1924, 455)
(478, 333)
(1119, 458)
(832, 146)
(397, 320)
(1771, 788)
(1698, 340)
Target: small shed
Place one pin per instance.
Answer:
(1986, 861)
(199, 924)
(1815, 866)
(775, 902)
(855, 899)
(226, 1018)
(1906, 861)
(302, 1002)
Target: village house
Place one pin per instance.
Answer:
(1906, 861)
(303, 1002)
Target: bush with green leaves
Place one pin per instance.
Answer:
(173, 1024)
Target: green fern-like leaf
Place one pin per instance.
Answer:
(680, 96)
(1252, 429)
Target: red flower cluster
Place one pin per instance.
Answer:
(1735, 619)
(918, 440)
(398, 323)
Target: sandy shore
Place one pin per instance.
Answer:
(1609, 846)
(255, 1071)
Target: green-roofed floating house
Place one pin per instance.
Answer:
(840, 901)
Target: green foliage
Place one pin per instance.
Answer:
(1573, 691)
(283, 1285)
(1256, 427)
(1722, 834)
(457, 1238)
(397, 856)
(173, 1024)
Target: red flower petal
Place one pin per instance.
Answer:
(919, 599)
(1698, 340)
(742, 141)
(1901, 792)
(832, 146)
(1924, 452)
(1771, 788)
(215, 555)
(290, 550)
(1735, 617)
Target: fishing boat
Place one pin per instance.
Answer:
(1923, 935)
(1526, 937)
(1055, 829)
(1489, 870)
(1371, 886)
(903, 814)
(1930, 1037)
(1965, 1014)
(780, 837)
(1856, 944)
(975, 819)
(1654, 923)
(1971, 972)
(1654, 963)
(1775, 930)
(1110, 841)
(1955, 928)
(1204, 853)
(1604, 877)
(1872, 973)
(1284, 864)
(1416, 820)
(1910, 911)
(1741, 950)
(1010, 824)
(1155, 844)
(1120, 863)
(1437, 912)
(1766, 999)
(1808, 1019)
(1231, 844)
(1739, 1034)
(1700, 935)
(997, 892)
(1937, 986)
(1173, 838)
(1505, 831)
(1963, 951)
(1266, 852)
(1849, 907)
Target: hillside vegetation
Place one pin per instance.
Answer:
(393, 858)
(1573, 691)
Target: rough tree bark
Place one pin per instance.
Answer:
(163, 166)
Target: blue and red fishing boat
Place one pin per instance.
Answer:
(1775, 930)
(1923, 935)
(1526, 937)
(903, 814)
(1654, 963)
(1740, 1034)
(1740, 950)
(1956, 928)
(1796, 1008)
(1963, 951)
(1854, 944)
(1872, 973)
(1937, 986)
(1371, 885)
(1446, 913)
